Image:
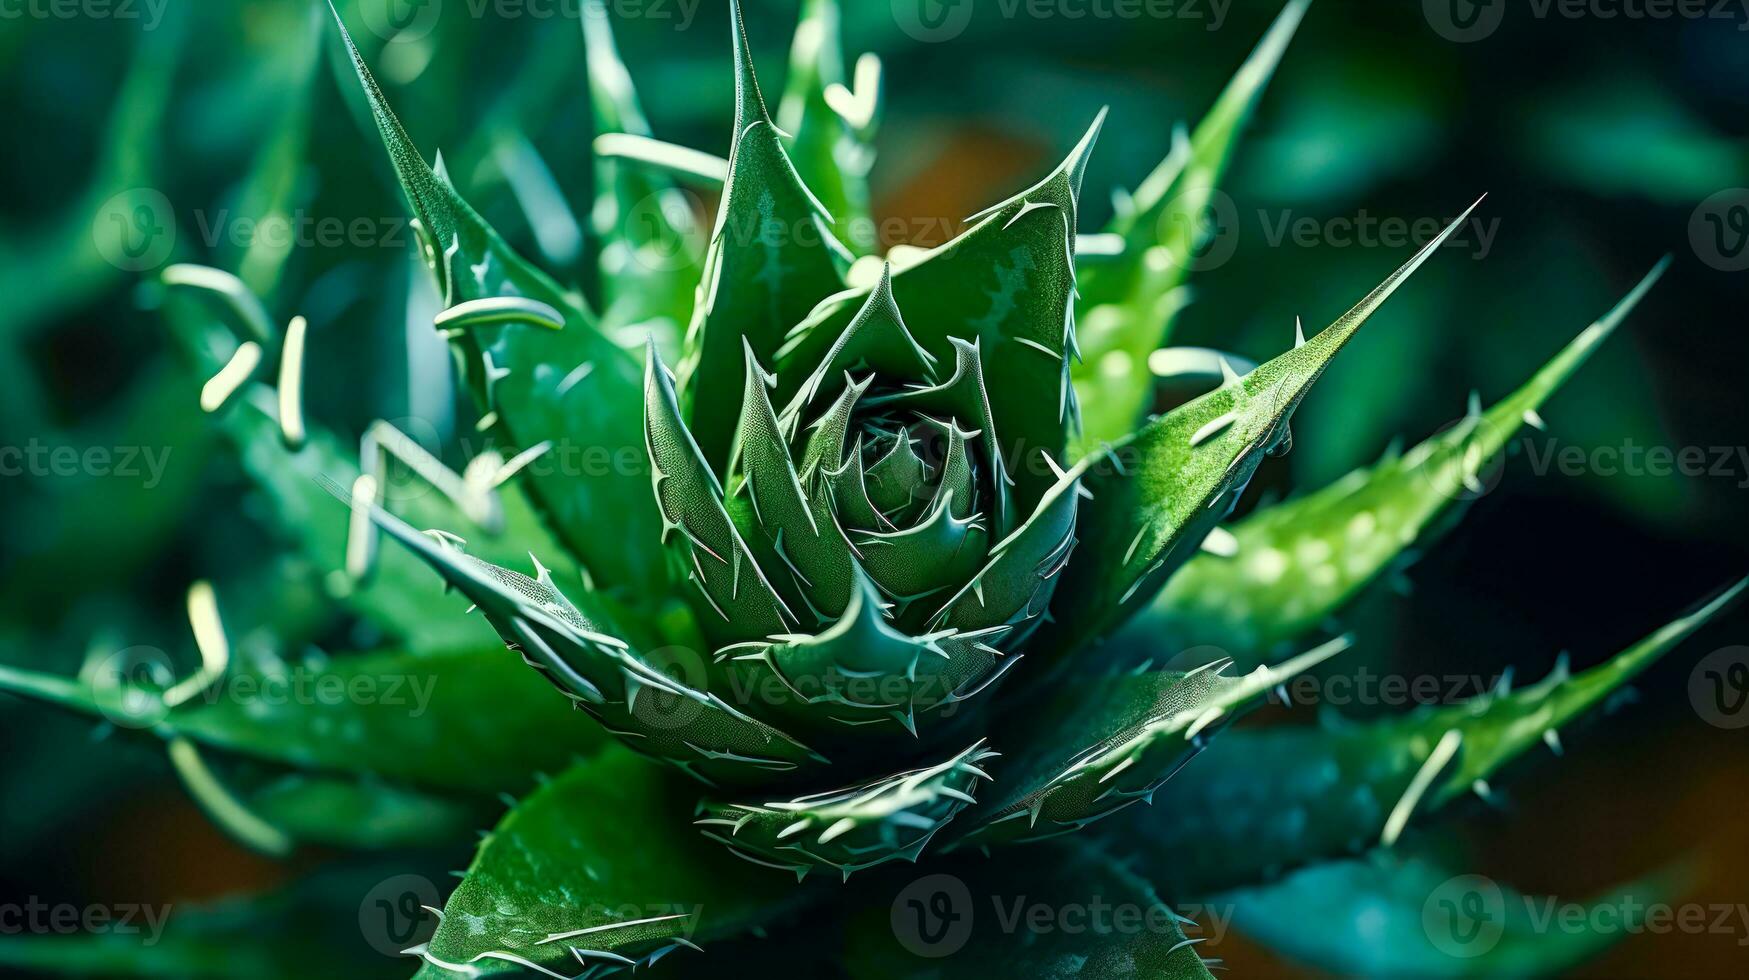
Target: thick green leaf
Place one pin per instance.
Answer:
(1099, 746)
(1073, 912)
(832, 152)
(598, 867)
(1299, 562)
(1127, 304)
(572, 388)
(1261, 801)
(1387, 915)
(471, 721)
(362, 813)
(851, 829)
(1157, 494)
(772, 256)
(742, 603)
(1007, 283)
(675, 718)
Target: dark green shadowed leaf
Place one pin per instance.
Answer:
(1387, 915)
(1127, 304)
(772, 256)
(651, 245)
(442, 721)
(742, 605)
(659, 703)
(599, 868)
(1099, 746)
(851, 829)
(537, 386)
(831, 123)
(1007, 283)
(1258, 802)
(1069, 911)
(1157, 494)
(1299, 562)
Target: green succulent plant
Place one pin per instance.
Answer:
(837, 588)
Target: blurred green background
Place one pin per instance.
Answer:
(1604, 143)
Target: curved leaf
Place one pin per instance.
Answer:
(1297, 563)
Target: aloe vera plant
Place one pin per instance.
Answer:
(840, 598)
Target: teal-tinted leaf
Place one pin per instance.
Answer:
(832, 151)
(1299, 562)
(772, 256)
(538, 385)
(674, 718)
(650, 242)
(1127, 304)
(859, 827)
(742, 603)
(598, 868)
(442, 721)
(1007, 283)
(1261, 801)
(983, 919)
(1388, 915)
(1099, 746)
(1157, 494)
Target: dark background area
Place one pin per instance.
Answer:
(1597, 140)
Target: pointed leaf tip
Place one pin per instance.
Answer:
(749, 101)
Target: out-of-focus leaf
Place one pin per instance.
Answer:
(832, 151)
(1071, 912)
(470, 721)
(1127, 305)
(1388, 915)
